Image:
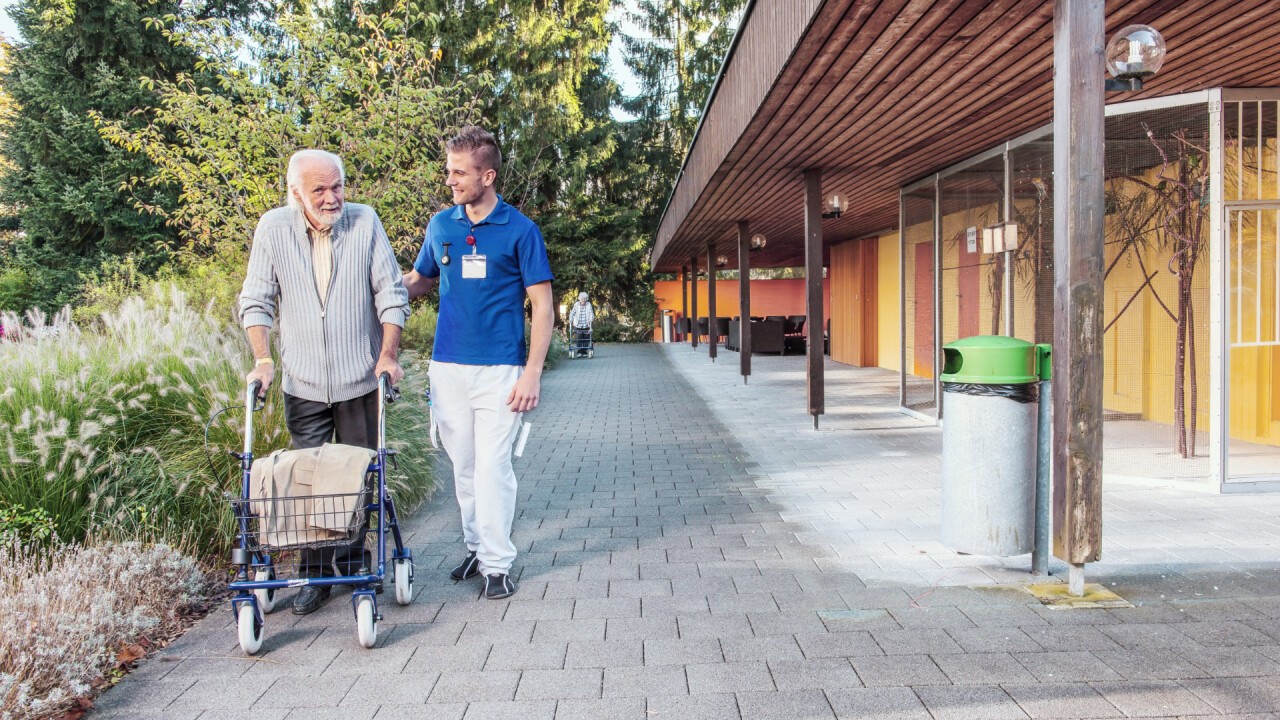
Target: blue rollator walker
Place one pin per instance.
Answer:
(259, 549)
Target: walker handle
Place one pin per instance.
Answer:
(390, 393)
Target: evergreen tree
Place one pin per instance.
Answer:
(675, 57)
(77, 57)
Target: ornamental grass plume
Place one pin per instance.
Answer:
(102, 426)
(67, 609)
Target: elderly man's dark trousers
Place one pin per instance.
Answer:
(350, 422)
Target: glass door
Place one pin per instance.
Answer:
(1252, 332)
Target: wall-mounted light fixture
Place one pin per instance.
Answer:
(1134, 53)
(758, 241)
(834, 204)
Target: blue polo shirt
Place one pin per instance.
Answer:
(482, 320)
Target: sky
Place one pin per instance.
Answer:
(7, 28)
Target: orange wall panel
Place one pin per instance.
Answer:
(768, 297)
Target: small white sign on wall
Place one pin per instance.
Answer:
(972, 236)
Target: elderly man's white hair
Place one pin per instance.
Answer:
(582, 296)
(293, 176)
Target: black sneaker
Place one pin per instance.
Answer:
(310, 598)
(469, 568)
(498, 586)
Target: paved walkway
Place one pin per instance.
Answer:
(667, 571)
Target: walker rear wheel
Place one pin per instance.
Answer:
(404, 581)
(266, 597)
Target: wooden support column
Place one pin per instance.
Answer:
(684, 294)
(712, 336)
(1078, 166)
(744, 300)
(693, 300)
(813, 290)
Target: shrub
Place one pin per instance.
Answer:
(66, 611)
(103, 427)
(420, 331)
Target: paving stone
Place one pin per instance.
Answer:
(641, 628)
(463, 656)
(820, 674)
(915, 642)
(437, 711)
(511, 710)
(728, 677)
(404, 688)
(561, 609)
(1061, 700)
(645, 681)
(1226, 633)
(1066, 667)
(346, 713)
(557, 684)
(611, 607)
(730, 626)
(1152, 698)
(610, 653)
(993, 639)
(1148, 635)
(1059, 638)
(469, 687)
(969, 702)
(841, 644)
(560, 631)
(288, 692)
(893, 703)
(777, 647)
(609, 709)
(682, 652)
(526, 656)
(155, 695)
(1238, 695)
(898, 671)
(1233, 662)
(693, 707)
(785, 705)
(983, 669)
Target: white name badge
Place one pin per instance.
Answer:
(473, 267)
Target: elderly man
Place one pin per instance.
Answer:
(488, 258)
(325, 268)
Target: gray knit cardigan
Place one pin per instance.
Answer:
(328, 351)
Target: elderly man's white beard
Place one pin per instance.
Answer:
(325, 219)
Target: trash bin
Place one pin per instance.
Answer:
(666, 327)
(989, 433)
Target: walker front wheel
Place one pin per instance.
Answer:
(366, 623)
(250, 629)
(404, 581)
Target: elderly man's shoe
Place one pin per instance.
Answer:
(309, 599)
(498, 586)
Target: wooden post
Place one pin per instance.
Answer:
(813, 290)
(1078, 167)
(744, 300)
(684, 294)
(712, 333)
(693, 300)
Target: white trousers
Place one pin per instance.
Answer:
(469, 409)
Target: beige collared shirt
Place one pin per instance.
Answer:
(321, 259)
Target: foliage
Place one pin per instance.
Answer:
(77, 60)
(420, 331)
(66, 612)
(103, 426)
(28, 526)
(367, 90)
(675, 57)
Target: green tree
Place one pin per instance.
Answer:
(79, 57)
(675, 57)
(366, 89)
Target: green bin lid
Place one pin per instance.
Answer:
(992, 360)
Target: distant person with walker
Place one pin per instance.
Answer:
(581, 316)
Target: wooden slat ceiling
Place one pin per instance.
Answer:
(880, 94)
